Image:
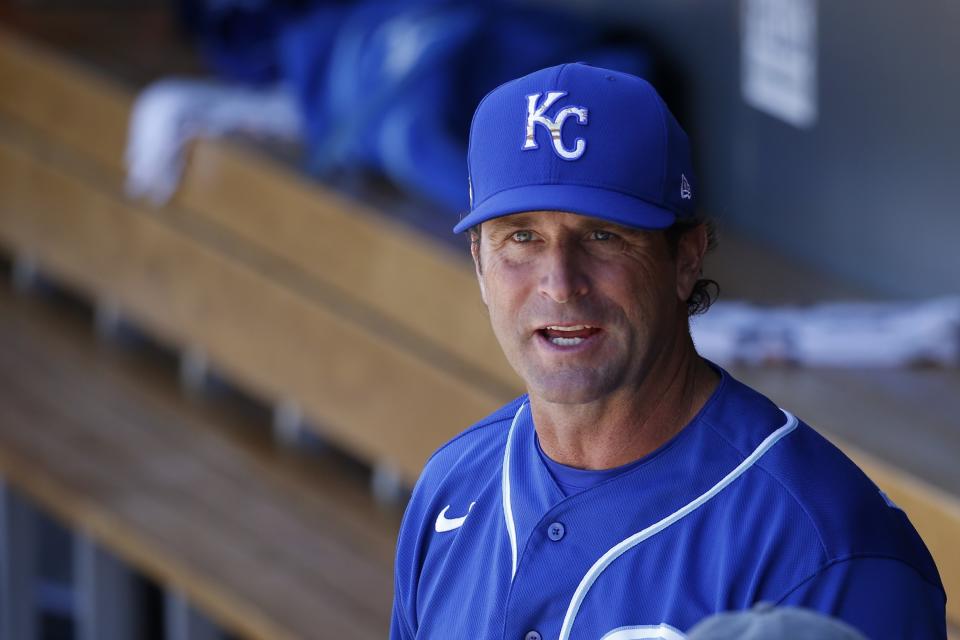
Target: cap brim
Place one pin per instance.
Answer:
(596, 202)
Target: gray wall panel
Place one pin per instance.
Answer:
(868, 194)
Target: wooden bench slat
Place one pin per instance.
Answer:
(206, 478)
(409, 279)
(116, 461)
(73, 104)
(376, 399)
(147, 525)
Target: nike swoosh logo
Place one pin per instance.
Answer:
(445, 524)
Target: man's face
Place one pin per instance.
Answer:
(583, 308)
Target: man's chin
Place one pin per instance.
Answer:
(566, 389)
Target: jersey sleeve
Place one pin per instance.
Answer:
(404, 578)
(399, 627)
(881, 597)
(406, 569)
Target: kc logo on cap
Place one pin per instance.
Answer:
(535, 116)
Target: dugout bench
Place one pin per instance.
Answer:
(265, 542)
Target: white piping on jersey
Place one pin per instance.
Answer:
(507, 504)
(618, 550)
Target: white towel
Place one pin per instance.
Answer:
(170, 113)
(849, 334)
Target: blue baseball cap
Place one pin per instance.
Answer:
(579, 139)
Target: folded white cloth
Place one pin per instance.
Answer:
(170, 113)
(849, 334)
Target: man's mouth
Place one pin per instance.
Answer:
(568, 336)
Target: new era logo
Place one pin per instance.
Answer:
(685, 192)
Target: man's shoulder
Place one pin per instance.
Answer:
(852, 518)
(818, 490)
(809, 469)
(828, 484)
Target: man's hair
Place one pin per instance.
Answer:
(705, 291)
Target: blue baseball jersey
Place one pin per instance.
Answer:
(746, 504)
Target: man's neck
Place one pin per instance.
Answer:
(630, 424)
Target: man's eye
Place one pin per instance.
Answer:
(522, 236)
(600, 234)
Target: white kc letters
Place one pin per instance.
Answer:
(535, 116)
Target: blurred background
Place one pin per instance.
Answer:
(234, 322)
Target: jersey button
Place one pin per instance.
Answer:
(556, 531)
(532, 635)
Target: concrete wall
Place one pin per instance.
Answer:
(870, 192)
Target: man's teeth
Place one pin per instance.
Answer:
(568, 336)
(564, 341)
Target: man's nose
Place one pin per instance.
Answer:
(564, 276)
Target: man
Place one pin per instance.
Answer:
(636, 488)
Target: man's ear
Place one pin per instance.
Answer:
(690, 251)
(475, 252)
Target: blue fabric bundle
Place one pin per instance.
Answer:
(390, 86)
